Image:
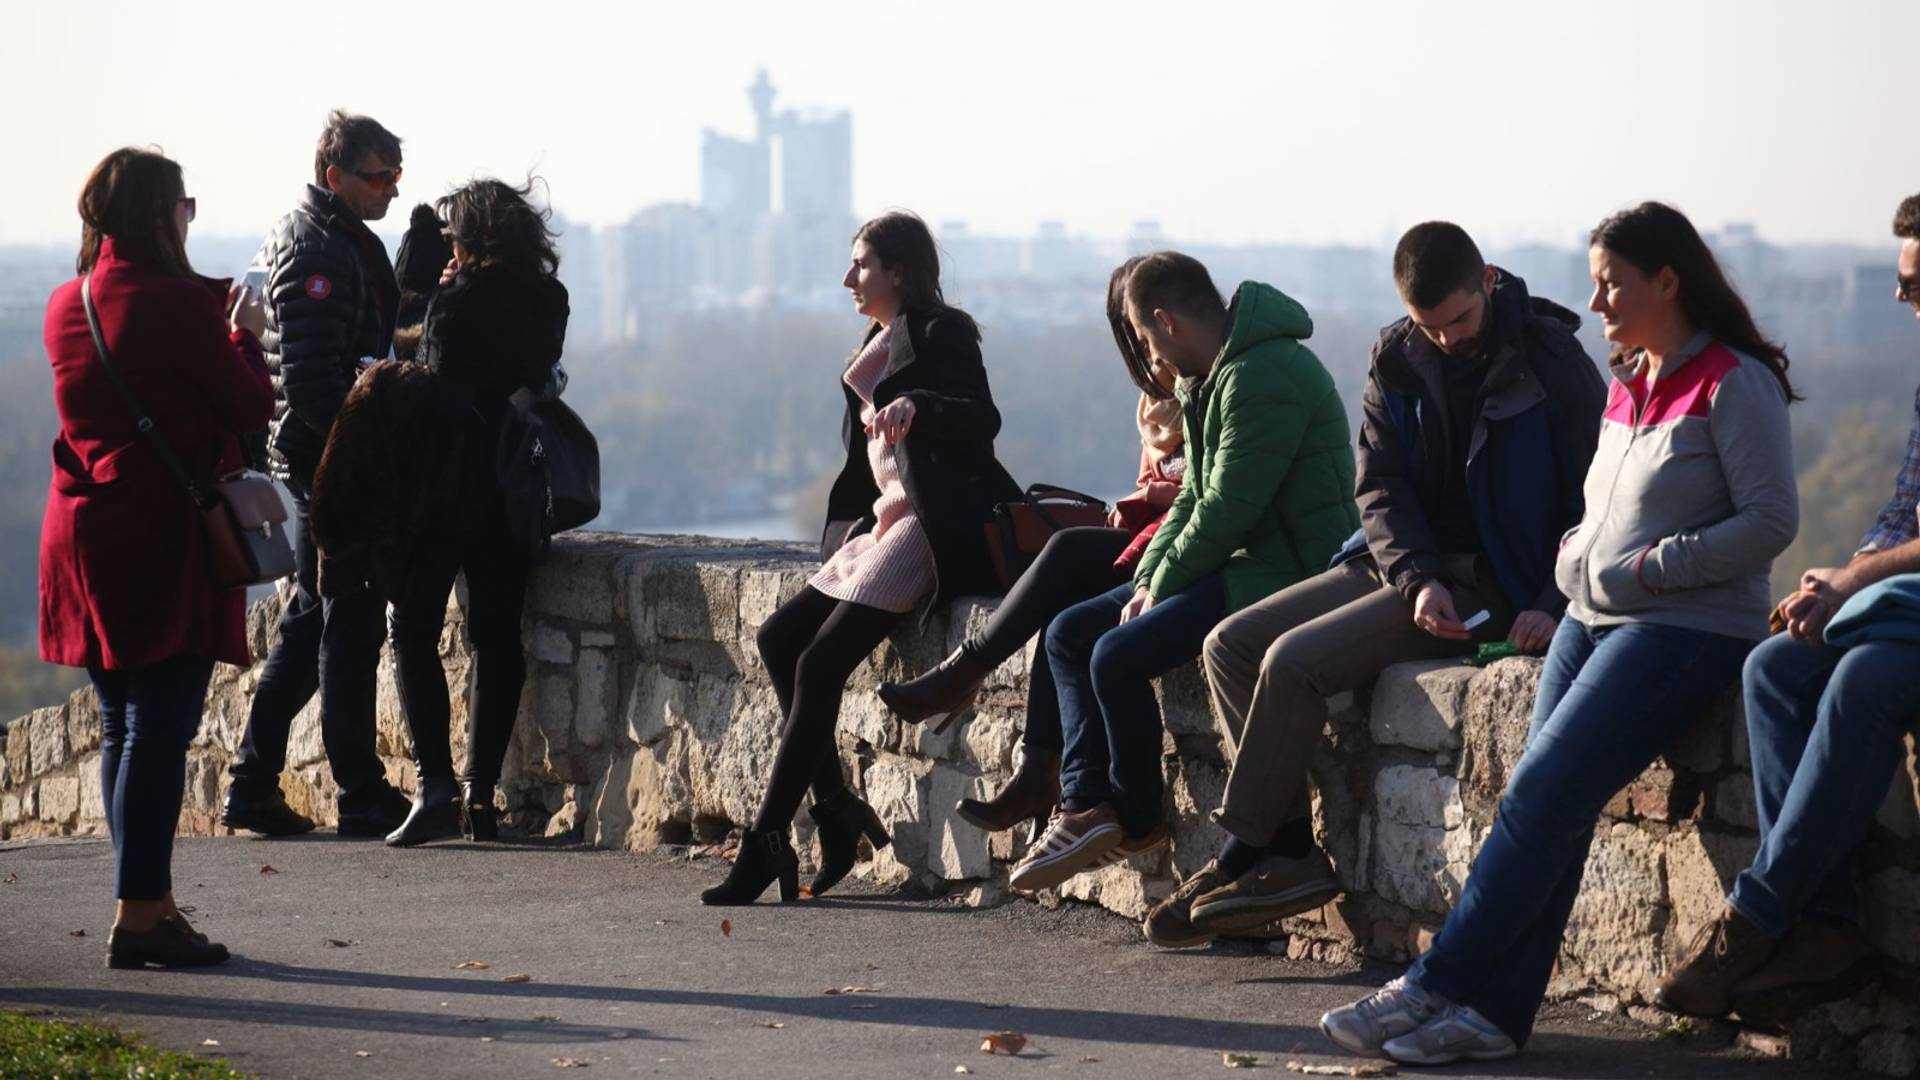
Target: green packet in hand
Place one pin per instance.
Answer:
(1491, 651)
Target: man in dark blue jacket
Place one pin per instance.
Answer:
(331, 302)
(1480, 416)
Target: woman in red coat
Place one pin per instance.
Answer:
(125, 588)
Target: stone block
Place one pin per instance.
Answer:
(1702, 747)
(60, 800)
(1660, 794)
(83, 723)
(553, 709)
(695, 601)
(49, 728)
(956, 850)
(1700, 867)
(597, 639)
(1494, 733)
(1120, 888)
(1421, 705)
(1900, 811)
(1184, 704)
(897, 789)
(1410, 795)
(304, 744)
(594, 687)
(93, 805)
(20, 750)
(551, 645)
(1733, 802)
(1613, 938)
(565, 590)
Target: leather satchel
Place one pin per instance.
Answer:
(1020, 529)
(548, 465)
(244, 517)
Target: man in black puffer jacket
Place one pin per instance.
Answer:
(331, 303)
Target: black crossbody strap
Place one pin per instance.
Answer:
(141, 421)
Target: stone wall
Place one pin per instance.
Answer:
(649, 720)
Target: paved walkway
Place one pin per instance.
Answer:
(346, 967)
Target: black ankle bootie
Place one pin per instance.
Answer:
(841, 822)
(765, 857)
(940, 695)
(435, 814)
(478, 818)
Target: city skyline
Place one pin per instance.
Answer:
(1311, 124)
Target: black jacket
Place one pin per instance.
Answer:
(489, 332)
(1530, 448)
(946, 460)
(331, 299)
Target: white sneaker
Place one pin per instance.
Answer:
(1455, 1033)
(1393, 1010)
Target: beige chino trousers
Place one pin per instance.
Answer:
(1270, 668)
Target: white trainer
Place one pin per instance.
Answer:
(1455, 1033)
(1393, 1010)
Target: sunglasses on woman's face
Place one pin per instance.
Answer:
(191, 204)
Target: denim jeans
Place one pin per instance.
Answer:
(148, 717)
(1104, 673)
(332, 646)
(1826, 726)
(1611, 699)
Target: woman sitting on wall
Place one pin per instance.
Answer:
(1689, 498)
(1076, 564)
(905, 531)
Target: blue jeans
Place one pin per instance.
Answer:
(1611, 699)
(1109, 716)
(148, 716)
(1826, 726)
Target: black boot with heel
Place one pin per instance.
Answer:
(841, 821)
(478, 819)
(765, 857)
(435, 814)
(939, 696)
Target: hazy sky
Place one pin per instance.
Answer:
(1315, 122)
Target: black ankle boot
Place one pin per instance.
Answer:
(478, 818)
(941, 694)
(1032, 793)
(841, 822)
(435, 814)
(765, 857)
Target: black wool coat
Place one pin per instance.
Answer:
(946, 459)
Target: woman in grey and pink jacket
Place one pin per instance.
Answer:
(1689, 498)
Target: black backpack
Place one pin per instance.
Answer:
(549, 469)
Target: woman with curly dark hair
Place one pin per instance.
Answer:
(494, 330)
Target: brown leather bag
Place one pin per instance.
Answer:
(1020, 529)
(244, 516)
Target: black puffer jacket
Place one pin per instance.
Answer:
(489, 332)
(946, 460)
(331, 299)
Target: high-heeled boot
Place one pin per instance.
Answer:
(842, 820)
(941, 694)
(435, 814)
(1032, 793)
(765, 857)
(478, 818)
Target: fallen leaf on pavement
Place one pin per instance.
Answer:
(363, 1053)
(1239, 1061)
(726, 928)
(772, 1024)
(76, 933)
(10, 879)
(518, 978)
(336, 943)
(486, 1038)
(963, 1070)
(1371, 1068)
(1089, 1061)
(571, 1063)
(472, 965)
(209, 1042)
(266, 868)
(848, 990)
(1009, 1043)
(543, 1018)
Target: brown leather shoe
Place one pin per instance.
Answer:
(171, 943)
(1170, 923)
(1818, 961)
(1275, 888)
(1724, 952)
(941, 694)
(1031, 794)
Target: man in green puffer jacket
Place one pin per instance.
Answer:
(1268, 499)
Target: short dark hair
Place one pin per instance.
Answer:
(1434, 260)
(348, 138)
(1170, 281)
(1906, 220)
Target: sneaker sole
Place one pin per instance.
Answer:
(1450, 1058)
(1199, 938)
(1253, 912)
(1051, 870)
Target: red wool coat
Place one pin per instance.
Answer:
(124, 578)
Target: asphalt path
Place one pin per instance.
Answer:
(347, 962)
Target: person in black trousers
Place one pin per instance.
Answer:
(494, 331)
(1076, 564)
(905, 531)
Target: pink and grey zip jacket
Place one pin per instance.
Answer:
(1690, 496)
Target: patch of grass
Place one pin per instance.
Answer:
(46, 1046)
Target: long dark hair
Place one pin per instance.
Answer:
(130, 196)
(499, 226)
(1132, 352)
(905, 246)
(1653, 236)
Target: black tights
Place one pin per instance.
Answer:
(810, 647)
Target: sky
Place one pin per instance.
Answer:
(1283, 121)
